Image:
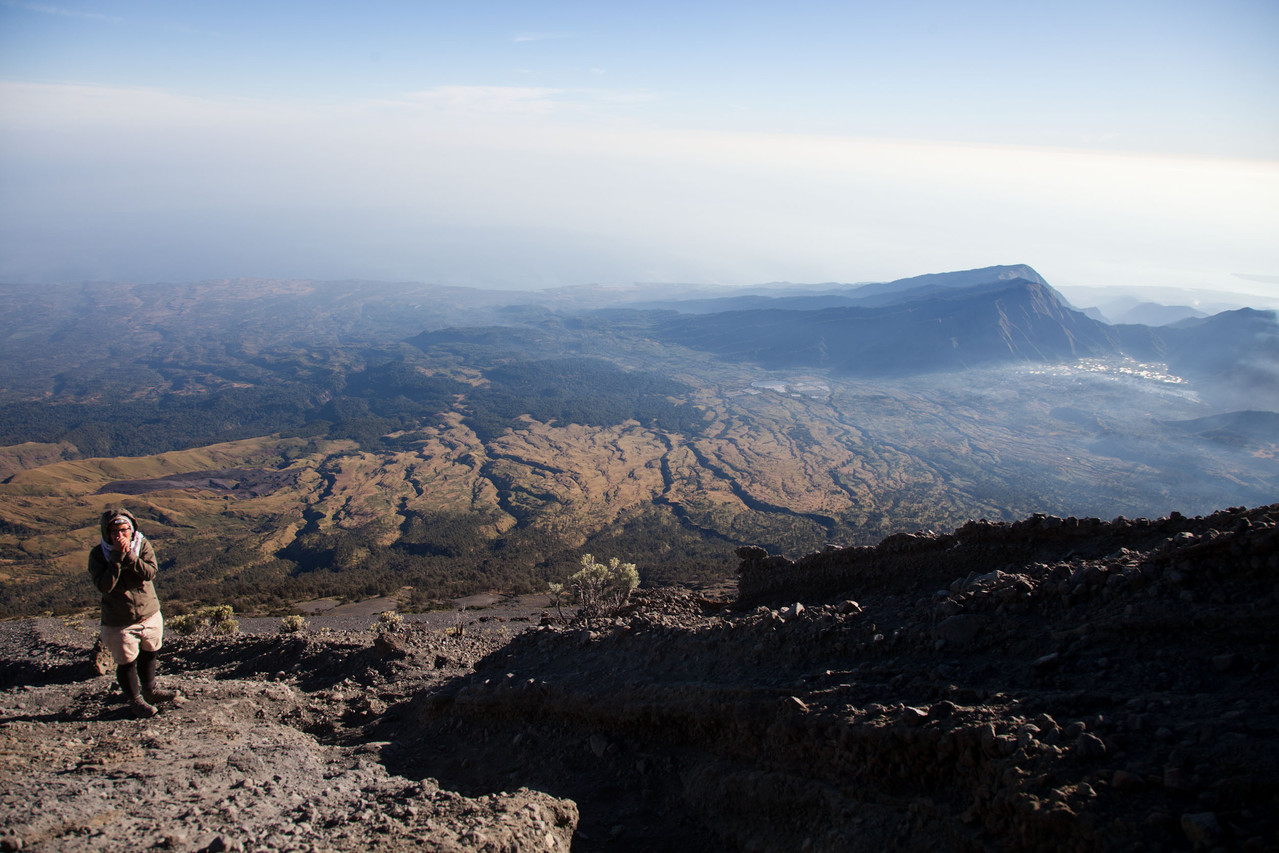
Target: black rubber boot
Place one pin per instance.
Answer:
(146, 674)
(127, 677)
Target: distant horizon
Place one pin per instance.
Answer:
(520, 146)
(1080, 296)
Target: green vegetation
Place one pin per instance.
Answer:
(598, 589)
(365, 406)
(586, 391)
(168, 422)
(388, 622)
(440, 556)
(218, 619)
(293, 623)
(386, 399)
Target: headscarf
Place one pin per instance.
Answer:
(114, 519)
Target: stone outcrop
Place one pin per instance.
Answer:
(915, 560)
(1045, 685)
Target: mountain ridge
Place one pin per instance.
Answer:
(954, 279)
(994, 322)
(1001, 321)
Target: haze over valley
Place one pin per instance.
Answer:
(286, 440)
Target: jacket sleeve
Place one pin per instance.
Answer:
(145, 564)
(105, 574)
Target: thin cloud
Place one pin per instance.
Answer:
(58, 10)
(523, 37)
(621, 97)
(509, 165)
(489, 99)
(524, 100)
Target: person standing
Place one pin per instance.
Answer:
(123, 567)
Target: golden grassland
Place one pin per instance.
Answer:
(56, 506)
(569, 481)
(786, 469)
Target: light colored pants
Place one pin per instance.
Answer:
(125, 642)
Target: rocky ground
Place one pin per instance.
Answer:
(1049, 685)
(265, 754)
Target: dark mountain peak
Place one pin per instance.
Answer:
(994, 321)
(942, 281)
(1230, 334)
(1236, 349)
(997, 317)
(993, 289)
(968, 278)
(950, 280)
(1238, 318)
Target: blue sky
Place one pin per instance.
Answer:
(541, 144)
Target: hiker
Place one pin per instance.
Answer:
(123, 567)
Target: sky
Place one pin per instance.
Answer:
(541, 144)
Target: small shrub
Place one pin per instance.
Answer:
(389, 621)
(599, 589)
(219, 619)
(185, 624)
(292, 624)
(558, 596)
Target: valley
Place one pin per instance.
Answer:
(350, 458)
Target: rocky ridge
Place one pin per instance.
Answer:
(1052, 684)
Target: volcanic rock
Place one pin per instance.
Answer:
(1046, 685)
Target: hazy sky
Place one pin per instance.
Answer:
(528, 144)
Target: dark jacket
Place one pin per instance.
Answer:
(124, 579)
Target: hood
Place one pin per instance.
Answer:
(107, 517)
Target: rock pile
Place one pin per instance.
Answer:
(1045, 685)
(916, 559)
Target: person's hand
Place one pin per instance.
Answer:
(121, 538)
